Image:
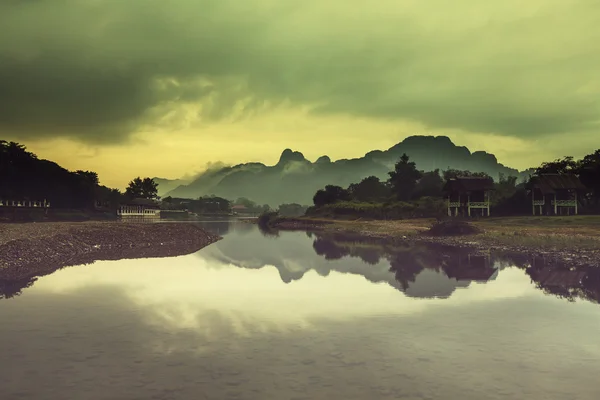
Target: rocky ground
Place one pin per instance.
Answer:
(35, 249)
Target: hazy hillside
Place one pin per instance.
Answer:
(295, 179)
(166, 185)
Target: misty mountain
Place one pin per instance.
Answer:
(166, 185)
(294, 179)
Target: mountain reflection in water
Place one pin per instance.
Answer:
(417, 269)
(304, 316)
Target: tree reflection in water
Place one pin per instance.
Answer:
(408, 260)
(417, 269)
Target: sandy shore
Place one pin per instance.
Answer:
(570, 240)
(35, 249)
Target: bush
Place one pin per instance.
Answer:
(265, 219)
(427, 207)
(452, 228)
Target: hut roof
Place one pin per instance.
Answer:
(469, 184)
(549, 183)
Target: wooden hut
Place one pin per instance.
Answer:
(469, 196)
(555, 194)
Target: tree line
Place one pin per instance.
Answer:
(406, 184)
(23, 176)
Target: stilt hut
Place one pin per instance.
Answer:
(469, 196)
(555, 194)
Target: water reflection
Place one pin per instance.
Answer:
(14, 281)
(417, 269)
(254, 318)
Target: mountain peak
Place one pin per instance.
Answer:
(289, 155)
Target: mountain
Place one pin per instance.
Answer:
(294, 179)
(166, 185)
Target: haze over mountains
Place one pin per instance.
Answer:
(294, 179)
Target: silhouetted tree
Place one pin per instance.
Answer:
(369, 189)
(566, 165)
(25, 177)
(89, 176)
(142, 188)
(330, 195)
(431, 184)
(403, 179)
(589, 174)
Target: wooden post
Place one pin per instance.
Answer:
(575, 202)
(533, 200)
(469, 205)
(487, 197)
(449, 210)
(555, 205)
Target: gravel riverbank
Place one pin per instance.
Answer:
(35, 249)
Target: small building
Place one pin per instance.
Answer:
(555, 194)
(139, 208)
(25, 203)
(469, 196)
(239, 209)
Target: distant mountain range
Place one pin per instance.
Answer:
(294, 179)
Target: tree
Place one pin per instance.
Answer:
(330, 195)
(455, 173)
(89, 176)
(369, 189)
(589, 174)
(566, 165)
(142, 188)
(403, 179)
(249, 204)
(431, 184)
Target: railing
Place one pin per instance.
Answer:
(473, 204)
(138, 212)
(564, 203)
(24, 203)
(479, 204)
(539, 202)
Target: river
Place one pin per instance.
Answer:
(303, 316)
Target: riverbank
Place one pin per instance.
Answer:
(574, 239)
(34, 249)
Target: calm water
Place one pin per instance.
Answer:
(301, 317)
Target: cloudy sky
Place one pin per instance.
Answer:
(154, 87)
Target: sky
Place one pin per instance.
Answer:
(165, 88)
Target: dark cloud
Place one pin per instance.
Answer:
(98, 70)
